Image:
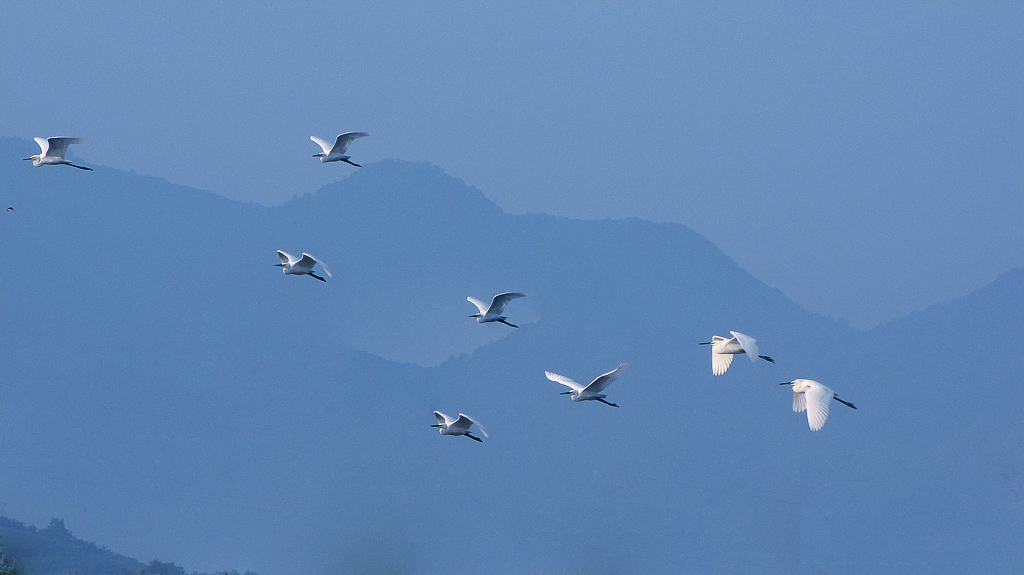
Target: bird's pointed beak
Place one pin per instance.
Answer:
(786, 383)
(565, 393)
(435, 425)
(26, 158)
(705, 343)
(278, 265)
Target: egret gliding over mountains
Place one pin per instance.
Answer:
(53, 151)
(722, 350)
(591, 392)
(493, 312)
(815, 398)
(460, 426)
(302, 266)
(336, 153)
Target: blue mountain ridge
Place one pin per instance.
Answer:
(168, 392)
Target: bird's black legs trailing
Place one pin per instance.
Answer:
(846, 403)
(80, 167)
(317, 277)
(474, 438)
(607, 403)
(353, 163)
(507, 323)
(766, 358)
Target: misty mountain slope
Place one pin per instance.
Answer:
(204, 404)
(938, 465)
(410, 243)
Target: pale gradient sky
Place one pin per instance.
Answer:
(865, 158)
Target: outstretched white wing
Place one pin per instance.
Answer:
(499, 301)
(799, 401)
(44, 145)
(318, 261)
(749, 344)
(720, 362)
(59, 146)
(441, 418)
(286, 258)
(464, 422)
(324, 144)
(341, 144)
(306, 263)
(479, 305)
(563, 380)
(818, 398)
(605, 380)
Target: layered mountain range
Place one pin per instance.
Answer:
(168, 392)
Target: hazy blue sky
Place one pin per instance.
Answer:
(865, 158)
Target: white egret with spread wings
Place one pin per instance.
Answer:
(722, 350)
(54, 151)
(815, 399)
(489, 313)
(300, 266)
(591, 392)
(448, 425)
(336, 152)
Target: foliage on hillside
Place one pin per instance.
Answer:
(27, 550)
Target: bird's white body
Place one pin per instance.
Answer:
(300, 266)
(814, 398)
(336, 152)
(54, 151)
(491, 313)
(591, 392)
(723, 349)
(460, 425)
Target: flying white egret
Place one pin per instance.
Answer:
(53, 151)
(336, 152)
(460, 426)
(493, 312)
(815, 398)
(722, 350)
(592, 391)
(302, 266)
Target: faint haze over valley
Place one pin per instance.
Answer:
(841, 181)
(170, 394)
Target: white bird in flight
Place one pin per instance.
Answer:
(302, 266)
(722, 350)
(815, 398)
(493, 312)
(336, 152)
(53, 151)
(460, 426)
(591, 392)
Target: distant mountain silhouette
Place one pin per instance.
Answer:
(56, 551)
(170, 392)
